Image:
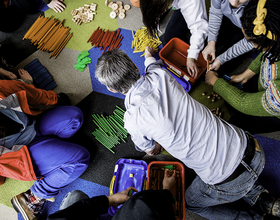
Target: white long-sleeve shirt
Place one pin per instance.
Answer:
(159, 109)
(194, 12)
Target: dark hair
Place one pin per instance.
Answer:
(151, 12)
(117, 71)
(271, 22)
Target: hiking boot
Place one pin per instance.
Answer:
(28, 205)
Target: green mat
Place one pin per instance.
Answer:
(11, 188)
(81, 33)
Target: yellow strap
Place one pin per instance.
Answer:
(260, 27)
(112, 185)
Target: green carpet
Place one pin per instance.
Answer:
(202, 87)
(11, 188)
(81, 33)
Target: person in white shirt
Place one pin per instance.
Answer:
(189, 22)
(160, 114)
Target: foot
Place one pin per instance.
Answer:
(7, 74)
(28, 205)
(276, 208)
(269, 204)
(63, 99)
(23, 74)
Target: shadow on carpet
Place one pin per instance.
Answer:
(13, 47)
(101, 167)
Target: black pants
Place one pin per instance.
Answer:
(11, 17)
(229, 34)
(177, 27)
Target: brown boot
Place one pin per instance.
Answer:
(28, 205)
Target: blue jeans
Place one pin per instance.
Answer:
(213, 201)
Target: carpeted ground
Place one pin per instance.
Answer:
(79, 86)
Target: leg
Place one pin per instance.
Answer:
(63, 121)
(177, 27)
(58, 161)
(215, 201)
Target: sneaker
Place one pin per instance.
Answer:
(276, 208)
(28, 205)
(269, 204)
(63, 99)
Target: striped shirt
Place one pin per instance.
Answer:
(218, 9)
(265, 102)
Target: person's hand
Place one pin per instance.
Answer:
(215, 65)
(158, 148)
(243, 77)
(210, 50)
(192, 68)
(169, 180)
(238, 79)
(7, 74)
(120, 197)
(211, 77)
(23, 74)
(149, 52)
(57, 5)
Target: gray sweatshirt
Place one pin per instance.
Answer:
(218, 9)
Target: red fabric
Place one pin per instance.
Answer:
(29, 96)
(17, 165)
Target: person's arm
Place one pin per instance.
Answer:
(255, 65)
(194, 13)
(236, 50)
(263, 103)
(169, 181)
(158, 148)
(142, 142)
(84, 209)
(149, 59)
(92, 208)
(243, 77)
(34, 96)
(5, 74)
(215, 21)
(247, 103)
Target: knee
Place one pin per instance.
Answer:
(63, 121)
(84, 155)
